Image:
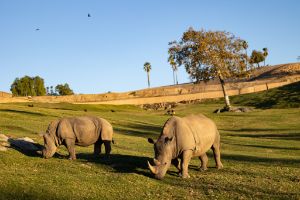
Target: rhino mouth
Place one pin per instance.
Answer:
(157, 169)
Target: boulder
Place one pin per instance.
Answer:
(3, 138)
(3, 148)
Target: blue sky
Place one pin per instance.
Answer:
(106, 52)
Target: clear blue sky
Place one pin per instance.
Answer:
(106, 52)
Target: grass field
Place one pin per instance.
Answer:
(260, 154)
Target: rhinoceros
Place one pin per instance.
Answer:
(81, 131)
(184, 138)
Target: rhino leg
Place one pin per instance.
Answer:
(204, 160)
(217, 155)
(97, 148)
(176, 163)
(186, 157)
(70, 144)
(107, 145)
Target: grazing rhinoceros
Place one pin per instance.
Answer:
(185, 138)
(81, 131)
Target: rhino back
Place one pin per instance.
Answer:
(85, 130)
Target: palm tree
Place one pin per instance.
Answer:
(51, 90)
(174, 68)
(147, 68)
(245, 46)
(265, 53)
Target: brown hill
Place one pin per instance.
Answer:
(263, 78)
(5, 95)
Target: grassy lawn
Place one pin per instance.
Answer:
(260, 154)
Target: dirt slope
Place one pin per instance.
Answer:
(262, 79)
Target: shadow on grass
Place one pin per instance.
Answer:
(254, 130)
(281, 136)
(140, 130)
(26, 148)
(120, 163)
(264, 146)
(17, 128)
(266, 160)
(22, 112)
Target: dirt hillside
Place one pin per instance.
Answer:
(262, 78)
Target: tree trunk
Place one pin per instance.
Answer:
(174, 77)
(247, 61)
(148, 76)
(226, 97)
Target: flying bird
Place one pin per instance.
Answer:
(89, 15)
(37, 29)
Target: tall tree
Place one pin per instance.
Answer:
(245, 46)
(51, 90)
(174, 68)
(265, 53)
(211, 54)
(147, 68)
(39, 86)
(257, 57)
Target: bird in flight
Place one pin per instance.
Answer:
(37, 29)
(89, 15)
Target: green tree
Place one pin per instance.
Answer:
(147, 68)
(265, 53)
(63, 89)
(210, 54)
(28, 86)
(257, 57)
(39, 86)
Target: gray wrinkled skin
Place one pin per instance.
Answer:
(184, 138)
(81, 131)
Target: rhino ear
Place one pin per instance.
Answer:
(151, 141)
(167, 140)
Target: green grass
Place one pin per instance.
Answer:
(260, 154)
(283, 97)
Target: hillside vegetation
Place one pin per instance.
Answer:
(283, 97)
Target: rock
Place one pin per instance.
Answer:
(3, 148)
(233, 109)
(4, 144)
(3, 138)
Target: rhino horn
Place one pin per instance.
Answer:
(152, 169)
(156, 162)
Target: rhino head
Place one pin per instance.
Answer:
(50, 140)
(49, 146)
(164, 152)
